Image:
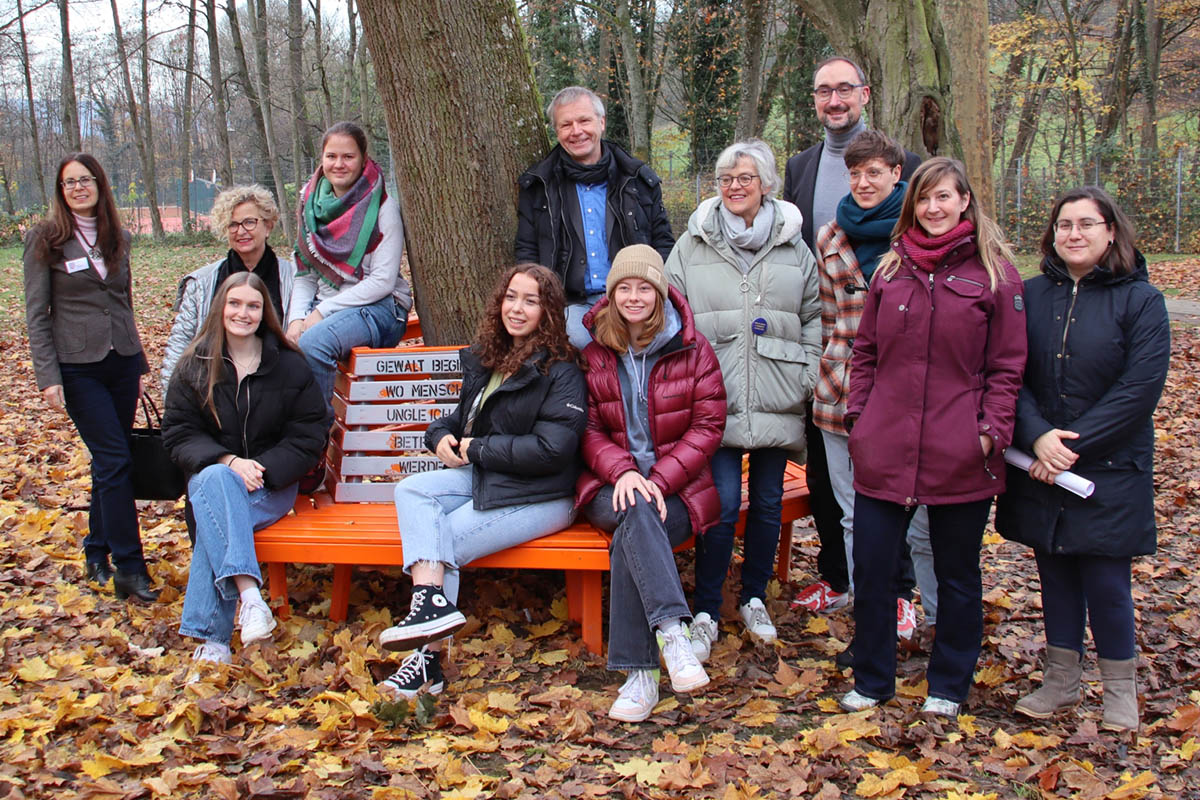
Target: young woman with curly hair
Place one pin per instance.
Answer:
(510, 449)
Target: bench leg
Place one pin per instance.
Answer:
(339, 599)
(588, 608)
(277, 583)
(574, 596)
(783, 561)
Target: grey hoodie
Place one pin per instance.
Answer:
(633, 372)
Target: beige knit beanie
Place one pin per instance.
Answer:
(638, 261)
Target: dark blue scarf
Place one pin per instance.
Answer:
(870, 231)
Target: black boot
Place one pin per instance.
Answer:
(136, 584)
(99, 571)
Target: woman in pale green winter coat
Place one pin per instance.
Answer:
(753, 288)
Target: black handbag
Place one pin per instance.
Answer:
(155, 475)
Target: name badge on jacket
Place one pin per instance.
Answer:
(76, 265)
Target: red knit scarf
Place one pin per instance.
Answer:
(928, 251)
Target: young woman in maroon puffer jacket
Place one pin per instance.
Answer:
(656, 413)
(933, 391)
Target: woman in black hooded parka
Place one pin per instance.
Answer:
(1099, 346)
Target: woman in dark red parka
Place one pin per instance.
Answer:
(933, 391)
(656, 414)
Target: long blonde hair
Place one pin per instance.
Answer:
(989, 239)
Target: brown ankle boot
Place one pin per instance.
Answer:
(1060, 685)
(1120, 694)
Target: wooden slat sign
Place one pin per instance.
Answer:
(364, 492)
(388, 465)
(436, 363)
(376, 441)
(407, 413)
(404, 390)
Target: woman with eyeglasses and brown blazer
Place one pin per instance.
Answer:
(87, 356)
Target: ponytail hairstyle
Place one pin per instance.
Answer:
(989, 240)
(203, 362)
(59, 225)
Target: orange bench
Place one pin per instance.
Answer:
(376, 440)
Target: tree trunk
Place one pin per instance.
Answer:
(755, 12)
(348, 85)
(1027, 126)
(185, 194)
(1149, 46)
(135, 121)
(458, 192)
(639, 115)
(70, 104)
(320, 57)
(33, 123)
(903, 50)
(299, 114)
(966, 26)
(149, 162)
(225, 163)
(259, 22)
(1116, 91)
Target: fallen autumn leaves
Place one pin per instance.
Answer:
(93, 702)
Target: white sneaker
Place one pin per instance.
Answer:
(255, 621)
(853, 701)
(906, 618)
(703, 633)
(757, 620)
(213, 651)
(682, 665)
(940, 706)
(637, 699)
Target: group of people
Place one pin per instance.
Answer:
(870, 316)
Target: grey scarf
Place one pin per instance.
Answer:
(746, 242)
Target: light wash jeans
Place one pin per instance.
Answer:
(226, 518)
(438, 522)
(380, 324)
(644, 587)
(580, 336)
(841, 477)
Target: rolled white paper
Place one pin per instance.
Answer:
(1075, 484)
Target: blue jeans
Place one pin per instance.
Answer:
(101, 399)
(761, 538)
(226, 518)
(644, 586)
(380, 324)
(580, 336)
(955, 533)
(438, 522)
(1079, 589)
(916, 557)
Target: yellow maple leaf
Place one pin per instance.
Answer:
(502, 634)
(816, 625)
(486, 722)
(992, 675)
(645, 772)
(1134, 787)
(558, 608)
(546, 628)
(36, 669)
(302, 650)
(550, 657)
(1188, 749)
(874, 786)
(502, 701)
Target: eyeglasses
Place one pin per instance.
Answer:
(248, 225)
(725, 181)
(1085, 226)
(84, 182)
(844, 90)
(872, 174)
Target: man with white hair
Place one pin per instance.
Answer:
(584, 202)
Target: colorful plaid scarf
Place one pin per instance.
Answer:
(336, 232)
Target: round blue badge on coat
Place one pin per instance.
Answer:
(759, 326)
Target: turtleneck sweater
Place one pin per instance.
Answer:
(833, 178)
(85, 232)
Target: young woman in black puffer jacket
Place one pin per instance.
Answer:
(245, 421)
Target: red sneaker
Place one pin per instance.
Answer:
(820, 598)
